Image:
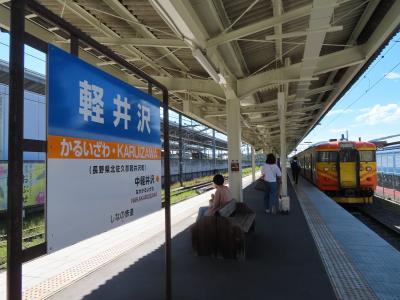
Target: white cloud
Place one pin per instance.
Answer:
(380, 114)
(392, 75)
(338, 111)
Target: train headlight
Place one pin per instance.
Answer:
(368, 169)
(326, 169)
(333, 168)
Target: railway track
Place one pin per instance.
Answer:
(379, 219)
(201, 187)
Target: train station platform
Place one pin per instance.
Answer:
(282, 263)
(318, 251)
(360, 264)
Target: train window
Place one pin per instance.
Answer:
(348, 156)
(367, 155)
(327, 156)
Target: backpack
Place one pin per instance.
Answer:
(295, 165)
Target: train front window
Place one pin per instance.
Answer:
(327, 156)
(348, 155)
(367, 155)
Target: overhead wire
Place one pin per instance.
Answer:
(31, 55)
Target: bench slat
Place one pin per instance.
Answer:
(228, 209)
(244, 221)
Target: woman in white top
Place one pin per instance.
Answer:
(271, 175)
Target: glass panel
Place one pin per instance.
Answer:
(323, 156)
(367, 155)
(327, 156)
(348, 156)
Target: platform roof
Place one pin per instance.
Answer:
(311, 50)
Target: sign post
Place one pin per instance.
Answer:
(104, 152)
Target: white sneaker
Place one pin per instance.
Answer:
(273, 210)
(267, 211)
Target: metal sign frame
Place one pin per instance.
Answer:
(17, 144)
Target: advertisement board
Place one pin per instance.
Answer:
(104, 155)
(34, 185)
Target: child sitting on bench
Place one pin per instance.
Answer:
(218, 200)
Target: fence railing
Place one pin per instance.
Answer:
(388, 187)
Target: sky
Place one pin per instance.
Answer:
(369, 110)
(371, 107)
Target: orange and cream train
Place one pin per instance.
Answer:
(344, 170)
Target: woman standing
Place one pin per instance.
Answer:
(271, 175)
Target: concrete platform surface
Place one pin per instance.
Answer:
(360, 263)
(282, 263)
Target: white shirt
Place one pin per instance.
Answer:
(270, 172)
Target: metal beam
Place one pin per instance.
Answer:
(15, 152)
(122, 11)
(320, 17)
(143, 42)
(369, 10)
(277, 11)
(293, 34)
(189, 84)
(326, 63)
(90, 19)
(320, 90)
(259, 26)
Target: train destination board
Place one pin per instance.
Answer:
(104, 155)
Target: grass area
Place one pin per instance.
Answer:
(247, 171)
(33, 225)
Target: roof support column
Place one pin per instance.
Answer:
(213, 152)
(282, 121)
(253, 164)
(234, 144)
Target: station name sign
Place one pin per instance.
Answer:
(104, 152)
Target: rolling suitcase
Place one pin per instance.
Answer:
(284, 204)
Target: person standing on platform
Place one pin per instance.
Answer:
(272, 176)
(295, 166)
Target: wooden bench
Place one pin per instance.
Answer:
(224, 235)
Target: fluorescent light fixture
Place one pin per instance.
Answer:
(203, 61)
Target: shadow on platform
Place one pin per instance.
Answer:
(282, 263)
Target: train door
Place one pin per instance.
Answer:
(348, 168)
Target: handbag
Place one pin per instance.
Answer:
(260, 185)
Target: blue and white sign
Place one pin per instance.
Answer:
(104, 155)
(90, 102)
